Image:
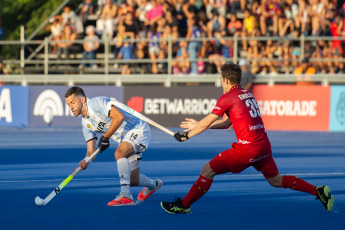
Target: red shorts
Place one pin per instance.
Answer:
(240, 157)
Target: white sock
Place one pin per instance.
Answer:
(125, 175)
(146, 182)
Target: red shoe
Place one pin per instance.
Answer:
(146, 192)
(122, 200)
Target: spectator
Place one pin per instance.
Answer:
(234, 26)
(218, 5)
(304, 72)
(100, 4)
(271, 52)
(271, 12)
(69, 17)
(105, 24)
(66, 43)
(121, 33)
(143, 7)
(126, 53)
(154, 46)
(254, 52)
(286, 24)
(216, 25)
(56, 30)
(154, 14)
(182, 65)
(247, 77)
(122, 12)
(302, 18)
(90, 45)
(195, 31)
(131, 25)
(168, 34)
(87, 8)
(172, 21)
(249, 22)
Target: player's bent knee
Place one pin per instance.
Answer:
(207, 171)
(275, 181)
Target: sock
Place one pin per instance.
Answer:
(146, 182)
(298, 184)
(125, 175)
(199, 188)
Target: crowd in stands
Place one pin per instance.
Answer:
(125, 20)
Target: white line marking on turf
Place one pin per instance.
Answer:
(178, 177)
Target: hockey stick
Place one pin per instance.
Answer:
(40, 202)
(142, 117)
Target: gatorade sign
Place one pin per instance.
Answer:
(287, 107)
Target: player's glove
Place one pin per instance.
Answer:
(103, 143)
(179, 135)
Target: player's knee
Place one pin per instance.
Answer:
(275, 181)
(206, 171)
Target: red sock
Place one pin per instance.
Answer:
(295, 183)
(199, 188)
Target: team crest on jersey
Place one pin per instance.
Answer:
(89, 126)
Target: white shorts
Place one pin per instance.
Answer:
(140, 139)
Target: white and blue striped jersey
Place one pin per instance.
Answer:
(98, 121)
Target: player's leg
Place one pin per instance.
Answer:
(124, 151)
(227, 161)
(140, 139)
(269, 168)
(141, 180)
(198, 189)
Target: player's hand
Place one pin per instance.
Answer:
(103, 143)
(189, 124)
(83, 165)
(181, 136)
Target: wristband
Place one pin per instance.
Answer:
(86, 158)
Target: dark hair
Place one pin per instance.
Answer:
(76, 91)
(232, 72)
(214, 12)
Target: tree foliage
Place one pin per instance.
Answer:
(29, 13)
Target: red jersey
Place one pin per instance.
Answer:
(243, 111)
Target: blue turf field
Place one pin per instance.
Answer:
(34, 161)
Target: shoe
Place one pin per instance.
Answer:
(175, 207)
(324, 195)
(146, 192)
(122, 200)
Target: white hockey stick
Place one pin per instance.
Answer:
(40, 202)
(142, 117)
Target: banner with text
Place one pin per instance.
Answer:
(48, 107)
(337, 113)
(287, 107)
(14, 105)
(170, 106)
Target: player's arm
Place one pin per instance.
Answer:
(221, 124)
(190, 123)
(116, 120)
(202, 125)
(90, 148)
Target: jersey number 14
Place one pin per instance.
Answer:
(254, 108)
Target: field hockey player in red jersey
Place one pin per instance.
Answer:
(252, 149)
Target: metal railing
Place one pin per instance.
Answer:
(108, 76)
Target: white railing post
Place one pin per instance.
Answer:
(22, 52)
(46, 55)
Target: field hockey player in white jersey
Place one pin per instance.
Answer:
(99, 115)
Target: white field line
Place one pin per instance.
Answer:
(184, 177)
